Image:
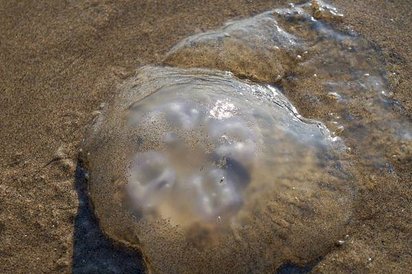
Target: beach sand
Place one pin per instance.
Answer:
(60, 60)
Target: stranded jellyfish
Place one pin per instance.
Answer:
(200, 170)
(204, 172)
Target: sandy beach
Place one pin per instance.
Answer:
(61, 60)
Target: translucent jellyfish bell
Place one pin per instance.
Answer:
(201, 170)
(150, 179)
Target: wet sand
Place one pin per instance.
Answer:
(60, 61)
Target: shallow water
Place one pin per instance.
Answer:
(202, 170)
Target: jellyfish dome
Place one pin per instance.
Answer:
(201, 170)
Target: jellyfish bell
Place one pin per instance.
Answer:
(200, 170)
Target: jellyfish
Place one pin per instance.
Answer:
(204, 163)
(199, 169)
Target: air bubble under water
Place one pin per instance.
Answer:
(204, 172)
